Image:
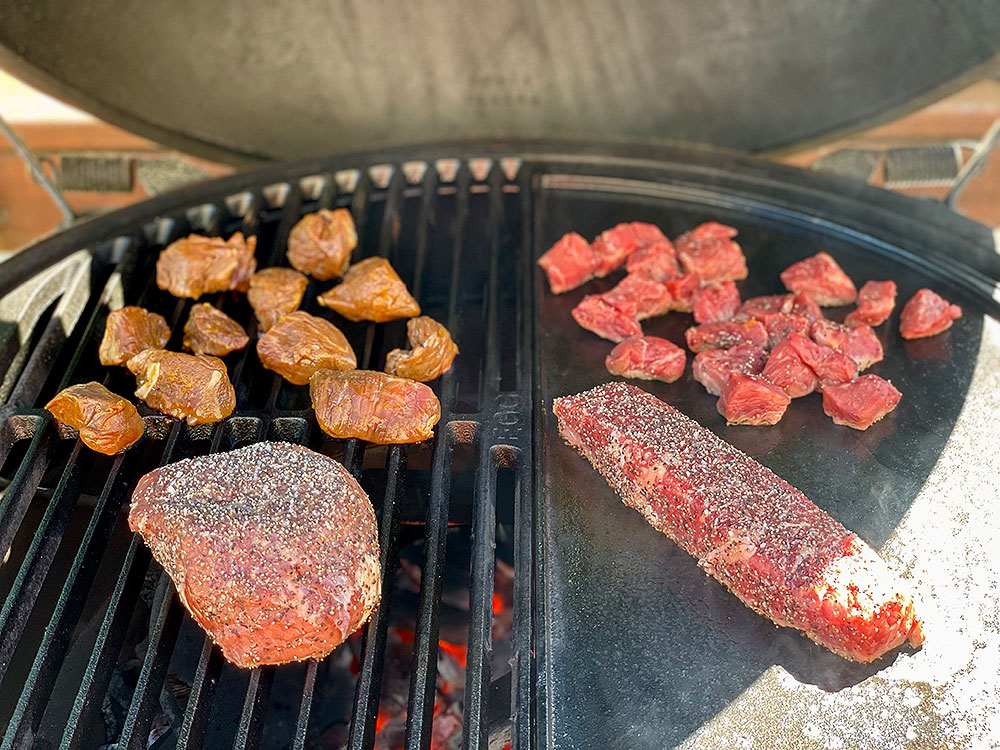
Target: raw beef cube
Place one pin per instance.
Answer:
(647, 234)
(647, 358)
(749, 399)
(682, 290)
(711, 368)
(658, 261)
(820, 278)
(860, 403)
(640, 297)
(726, 334)
(568, 263)
(612, 247)
(715, 302)
(709, 251)
(829, 365)
(769, 303)
(803, 305)
(781, 325)
(606, 320)
(927, 314)
(875, 303)
(859, 343)
(786, 370)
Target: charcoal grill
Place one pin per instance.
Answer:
(462, 225)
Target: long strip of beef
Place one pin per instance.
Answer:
(783, 556)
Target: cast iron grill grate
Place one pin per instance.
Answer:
(81, 593)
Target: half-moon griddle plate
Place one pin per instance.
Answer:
(279, 80)
(641, 648)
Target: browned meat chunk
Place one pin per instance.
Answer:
(373, 406)
(210, 331)
(321, 243)
(715, 302)
(272, 548)
(604, 319)
(430, 355)
(300, 344)
(107, 422)
(860, 403)
(128, 331)
(196, 265)
(725, 335)
(822, 279)
(876, 301)
(750, 399)
(786, 370)
(568, 263)
(371, 290)
(710, 252)
(275, 292)
(187, 386)
(927, 314)
(647, 358)
(712, 367)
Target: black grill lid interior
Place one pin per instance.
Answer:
(284, 80)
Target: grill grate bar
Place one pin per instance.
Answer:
(199, 705)
(25, 482)
(254, 709)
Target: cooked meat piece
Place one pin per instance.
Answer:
(785, 368)
(430, 355)
(272, 548)
(821, 279)
(709, 251)
(640, 297)
(682, 290)
(781, 325)
(371, 290)
(876, 301)
(373, 406)
(647, 358)
(275, 292)
(859, 343)
(210, 331)
(196, 265)
(712, 367)
(657, 261)
(860, 403)
(804, 306)
(568, 263)
(321, 243)
(107, 423)
(752, 400)
(300, 344)
(715, 302)
(829, 365)
(755, 307)
(927, 314)
(612, 247)
(193, 387)
(604, 319)
(764, 540)
(128, 331)
(725, 335)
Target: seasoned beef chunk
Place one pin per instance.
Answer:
(647, 234)
(210, 331)
(272, 548)
(107, 423)
(612, 247)
(769, 303)
(187, 386)
(430, 355)
(640, 297)
(657, 261)
(860, 403)
(712, 367)
(781, 325)
(321, 243)
(373, 406)
(821, 279)
(605, 320)
(715, 302)
(859, 343)
(876, 301)
(709, 251)
(829, 365)
(371, 290)
(647, 358)
(804, 306)
(274, 293)
(726, 334)
(682, 291)
(300, 344)
(568, 263)
(785, 368)
(128, 331)
(927, 314)
(196, 265)
(752, 400)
